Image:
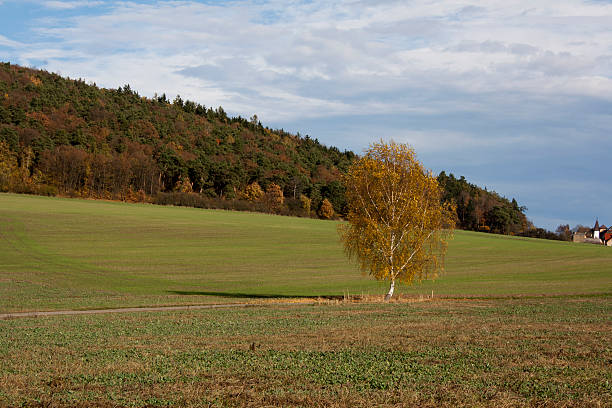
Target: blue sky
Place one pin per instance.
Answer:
(514, 95)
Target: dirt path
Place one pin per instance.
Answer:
(15, 315)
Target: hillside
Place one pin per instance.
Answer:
(71, 253)
(67, 137)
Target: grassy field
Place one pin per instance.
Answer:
(553, 352)
(65, 253)
(493, 341)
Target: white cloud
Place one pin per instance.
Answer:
(67, 5)
(281, 56)
(6, 42)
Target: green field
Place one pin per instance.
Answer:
(66, 253)
(514, 322)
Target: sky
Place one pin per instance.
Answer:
(514, 95)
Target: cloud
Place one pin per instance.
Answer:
(6, 42)
(332, 51)
(68, 5)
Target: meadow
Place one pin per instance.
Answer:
(513, 322)
(77, 254)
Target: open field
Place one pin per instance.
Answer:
(505, 345)
(65, 253)
(478, 352)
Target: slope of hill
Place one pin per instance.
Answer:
(61, 254)
(65, 136)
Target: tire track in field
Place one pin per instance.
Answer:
(16, 315)
(13, 232)
(19, 243)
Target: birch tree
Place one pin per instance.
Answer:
(397, 227)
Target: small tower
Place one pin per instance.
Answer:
(596, 229)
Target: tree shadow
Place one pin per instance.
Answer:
(251, 295)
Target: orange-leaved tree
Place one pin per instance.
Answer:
(326, 210)
(274, 198)
(398, 227)
(253, 192)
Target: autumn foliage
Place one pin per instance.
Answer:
(305, 203)
(327, 210)
(253, 192)
(397, 227)
(274, 198)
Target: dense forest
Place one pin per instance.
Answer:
(62, 136)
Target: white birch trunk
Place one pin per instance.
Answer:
(390, 293)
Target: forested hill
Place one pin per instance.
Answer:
(64, 136)
(104, 142)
